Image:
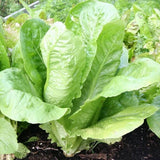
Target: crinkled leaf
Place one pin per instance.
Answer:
(8, 137)
(31, 34)
(106, 62)
(87, 20)
(20, 101)
(103, 69)
(65, 59)
(118, 124)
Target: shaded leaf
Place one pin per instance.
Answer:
(31, 34)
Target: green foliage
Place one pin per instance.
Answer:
(57, 9)
(62, 50)
(22, 151)
(142, 29)
(101, 79)
(4, 60)
(142, 21)
(12, 28)
(9, 6)
(16, 90)
(30, 37)
(75, 78)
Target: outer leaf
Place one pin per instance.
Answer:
(31, 34)
(118, 124)
(20, 101)
(154, 123)
(151, 95)
(65, 59)
(87, 19)
(8, 138)
(141, 73)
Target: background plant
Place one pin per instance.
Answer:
(9, 6)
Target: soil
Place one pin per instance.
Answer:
(141, 144)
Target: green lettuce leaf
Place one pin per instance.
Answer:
(106, 62)
(152, 95)
(119, 124)
(154, 123)
(17, 59)
(87, 20)
(139, 74)
(21, 102)
(8, 137)
(31, 34)
(64, 58)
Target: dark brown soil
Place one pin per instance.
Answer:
(141, 144)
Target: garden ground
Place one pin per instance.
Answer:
(141, 144)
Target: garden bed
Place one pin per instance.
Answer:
(141, 144)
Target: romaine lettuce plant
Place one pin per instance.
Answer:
(72, 79)
(101, 31)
